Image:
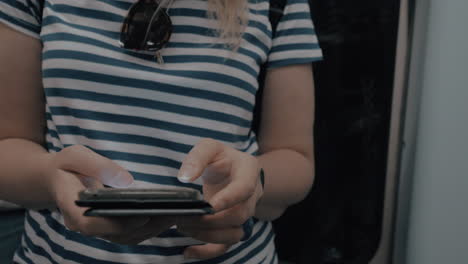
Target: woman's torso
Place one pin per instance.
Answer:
(143, 115)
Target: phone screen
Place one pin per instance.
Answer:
(127, 202)
(144, 194)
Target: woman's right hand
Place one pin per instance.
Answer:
(75, 168)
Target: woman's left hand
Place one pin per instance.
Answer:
(231, 184)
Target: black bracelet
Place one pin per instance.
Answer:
(262, 178)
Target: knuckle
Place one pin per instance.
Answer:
(71, 225)
(72, 150)
(250, 189)
(207, 141)
(210, 143)
(66, 155)
(78, 148)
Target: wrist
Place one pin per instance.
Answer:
(48, 174)
(260, 186)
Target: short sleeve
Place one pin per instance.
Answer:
(295, 41)
(23, 15)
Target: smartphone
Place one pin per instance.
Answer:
(128, 202)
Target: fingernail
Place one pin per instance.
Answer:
(185, 178)
(120, 179)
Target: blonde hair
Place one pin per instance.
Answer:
(232, 19)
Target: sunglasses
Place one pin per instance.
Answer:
(147, 27)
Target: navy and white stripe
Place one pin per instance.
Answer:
(146, 116)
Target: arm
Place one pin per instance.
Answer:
(32, 177)
(22, 156)
(286, 139)
(230, 177)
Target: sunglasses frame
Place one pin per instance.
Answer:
(145, 43)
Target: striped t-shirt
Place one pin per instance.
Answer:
(146, 116)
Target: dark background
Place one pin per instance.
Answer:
(340, 220)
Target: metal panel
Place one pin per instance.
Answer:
(384, 252)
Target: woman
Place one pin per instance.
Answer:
(89, 98)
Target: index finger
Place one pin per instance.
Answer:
(199, 157)
(82, 160)
(243, 183)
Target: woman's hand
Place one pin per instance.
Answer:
(231, 184)
(75, 168)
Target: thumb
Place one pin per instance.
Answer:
(82, 160)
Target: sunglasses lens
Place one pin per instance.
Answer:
(142, 31)
(160, 32)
